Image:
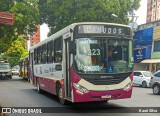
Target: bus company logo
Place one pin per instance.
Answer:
(106, 77)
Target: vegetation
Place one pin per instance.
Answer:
(60, 13)
(12, 38)
(57, 14)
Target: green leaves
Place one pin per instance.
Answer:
(60, 13)
(26, 16)
(16, 50)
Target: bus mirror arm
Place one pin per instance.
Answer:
(72, 47)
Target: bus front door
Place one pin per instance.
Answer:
(67, 59)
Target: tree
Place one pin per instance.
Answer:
(16, 51)
(26, 14)
(60, 13)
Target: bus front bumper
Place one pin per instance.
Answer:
(101, 95)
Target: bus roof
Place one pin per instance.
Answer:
(71, 26)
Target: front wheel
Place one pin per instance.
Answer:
(60, 96)
(156, 90)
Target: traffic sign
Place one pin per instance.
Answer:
(6, 18)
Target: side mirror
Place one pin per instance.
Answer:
(58, 67)
(72, 47)
(140, 75)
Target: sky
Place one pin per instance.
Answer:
(141, 13)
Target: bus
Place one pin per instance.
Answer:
(24, 68)
(5, 70)
(85, 62)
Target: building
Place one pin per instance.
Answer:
(147, 47)
(153, 10)
(34, 38)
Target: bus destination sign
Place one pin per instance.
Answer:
(103, 29)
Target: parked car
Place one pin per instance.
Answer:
(15, 72)
(155, 83)
(142, 78)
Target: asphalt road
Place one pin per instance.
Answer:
(20, 93)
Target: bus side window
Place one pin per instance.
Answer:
(35, 56)
(39, 49)
(58, 50)
(44, 53)
(50, 52)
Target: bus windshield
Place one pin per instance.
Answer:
(4, 66)
(103, 55)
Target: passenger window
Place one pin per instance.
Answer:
(58, 50)
(44, 54)
(39, 54)
(50, 52)
(35, 56)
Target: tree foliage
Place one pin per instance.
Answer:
(60, 13)
(12, 41)
(26, 16)
(16, 51)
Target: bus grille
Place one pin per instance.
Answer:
(96, 80)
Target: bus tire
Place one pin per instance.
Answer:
(60, 95)
(38, 88)
(156, 89)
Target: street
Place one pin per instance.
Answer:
(20, 93)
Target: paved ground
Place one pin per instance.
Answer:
(20, 93)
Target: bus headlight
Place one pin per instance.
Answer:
(80, 88)
(127, 86)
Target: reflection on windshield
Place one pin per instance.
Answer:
(4, 66)
(99, 55)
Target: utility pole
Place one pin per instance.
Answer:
(132, 24)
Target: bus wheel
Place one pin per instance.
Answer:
(60, 96)
(156, 90)
(38, 88)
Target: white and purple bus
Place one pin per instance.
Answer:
(84, 62)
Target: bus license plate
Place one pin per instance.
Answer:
(106, 96)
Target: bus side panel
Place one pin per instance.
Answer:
(49, 84)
